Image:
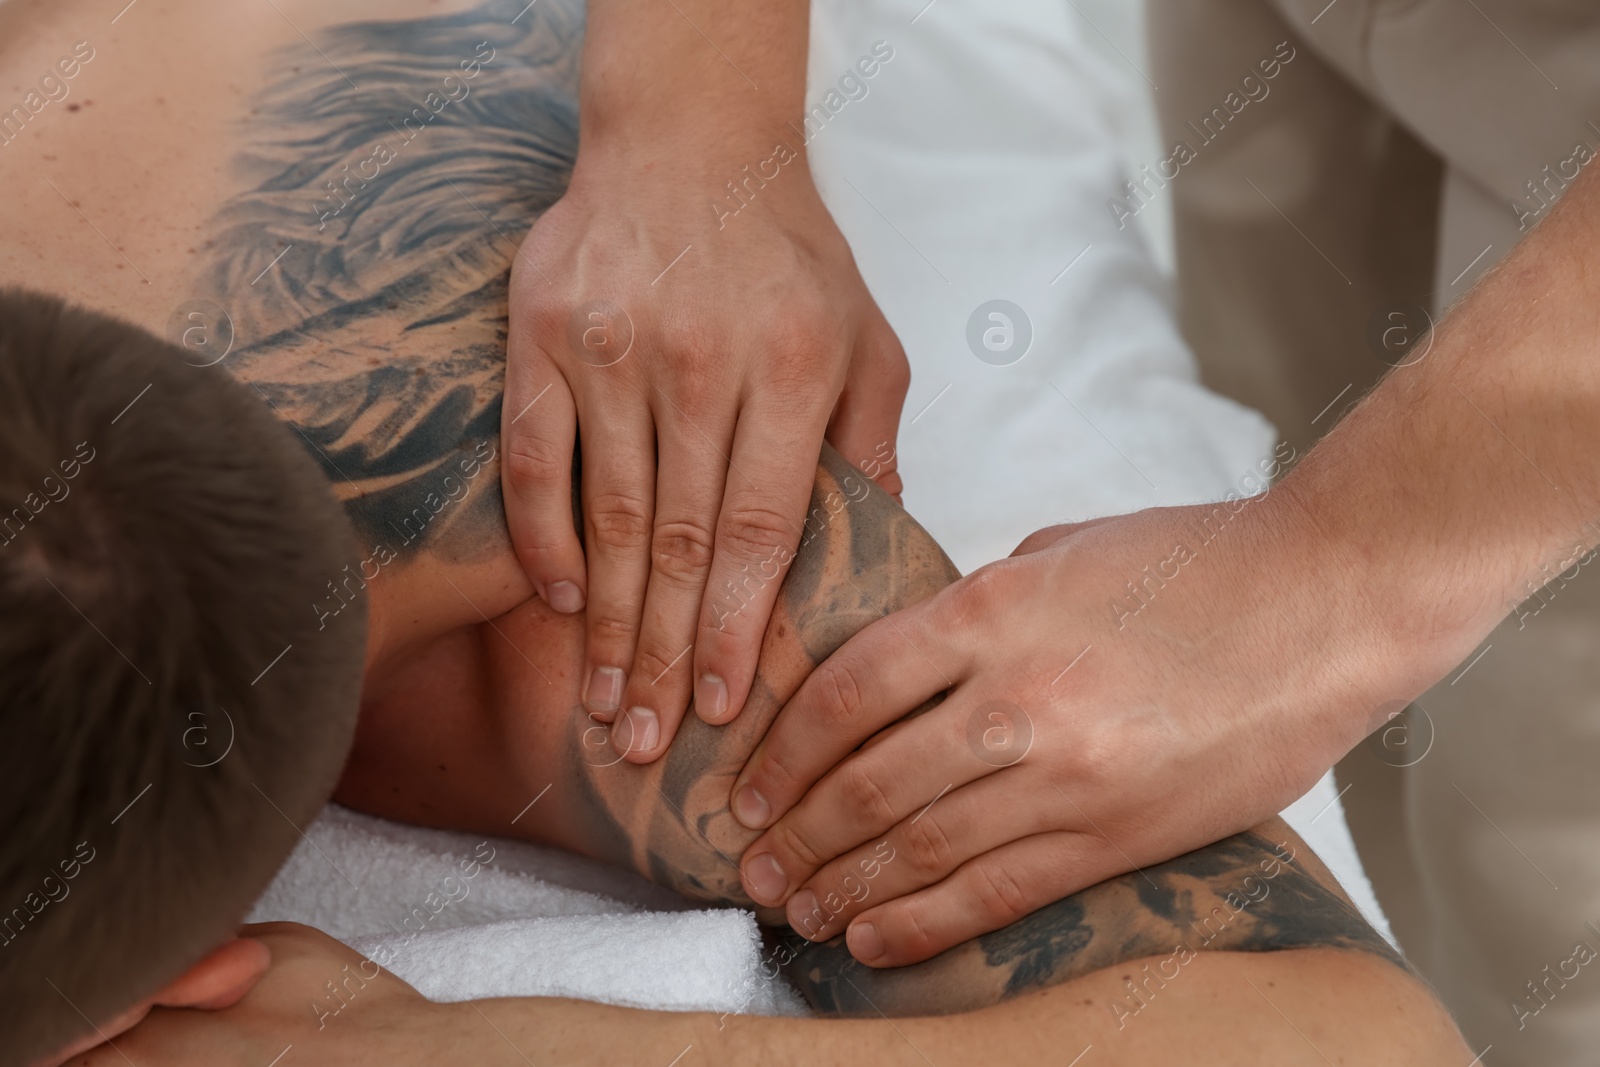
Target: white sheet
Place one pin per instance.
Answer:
(976, 166)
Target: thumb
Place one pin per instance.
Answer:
(866, 419)
(1041, 539)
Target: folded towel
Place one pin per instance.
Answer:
(463, 917)
(674, 961)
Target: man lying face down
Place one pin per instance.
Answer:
(200, 647)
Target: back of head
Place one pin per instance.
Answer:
(172, 706)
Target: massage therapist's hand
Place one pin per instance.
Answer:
(692, 316)
(1086, 729)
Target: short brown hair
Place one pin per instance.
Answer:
(162, 540)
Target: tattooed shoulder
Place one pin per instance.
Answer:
(387, 172)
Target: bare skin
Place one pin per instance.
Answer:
(372, 318)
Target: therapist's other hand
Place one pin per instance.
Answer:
(1117, 693)
(700, 357)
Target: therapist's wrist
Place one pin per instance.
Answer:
(696, 190)
(691, 138)
(1385, 616)
(636, 87)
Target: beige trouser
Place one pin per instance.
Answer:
(1388, 164)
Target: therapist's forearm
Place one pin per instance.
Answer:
(1467, 480)
(695, 84)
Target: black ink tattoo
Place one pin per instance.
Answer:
(1242, 894)
(391, 170)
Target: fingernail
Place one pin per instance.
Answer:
(564, 597)
(638, 731)
(803, 915)
(711, 698)
(765, 879)
(604, 691)
(751, 808)
(866, 944)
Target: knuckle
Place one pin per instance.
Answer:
(610, 631)
(1094, 758)
(778, 775)
(864, 793)
(999, 894)
(795, 842)
(976, 597)
(654, 663)
(535, 462)
(697, 382)
(681, 552)
(927, 847)
(699, 378)
(808, 350)
(690, 344)
(619, 521)
(802, 327)
(543, 315)
(838, 695)
(753, 532)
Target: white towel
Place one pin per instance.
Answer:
(463, 917)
